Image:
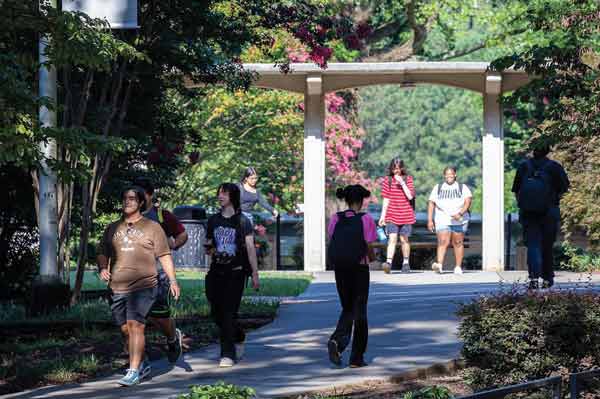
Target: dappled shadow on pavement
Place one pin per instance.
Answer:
(411, 325)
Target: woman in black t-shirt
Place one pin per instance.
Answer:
(230, 244)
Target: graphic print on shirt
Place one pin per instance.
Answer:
(453, 193)
(127, 238)
(225, 240)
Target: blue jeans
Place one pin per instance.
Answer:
(540, 233)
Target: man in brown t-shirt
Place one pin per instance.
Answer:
(127, 260)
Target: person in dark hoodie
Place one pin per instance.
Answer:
(538, 185)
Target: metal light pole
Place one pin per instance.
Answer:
(47, 178)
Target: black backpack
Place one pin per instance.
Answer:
(347, 246)
(536, 191)
(412, 201)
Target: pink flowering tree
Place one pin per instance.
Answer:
(343, 138)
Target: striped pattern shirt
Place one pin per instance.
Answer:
(399, 210)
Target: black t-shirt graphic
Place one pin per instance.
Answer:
(222, 231)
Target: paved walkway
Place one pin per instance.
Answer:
(412, 325)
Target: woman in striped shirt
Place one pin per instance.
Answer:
(398, 213)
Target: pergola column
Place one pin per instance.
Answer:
(314, 174)
(493, 176)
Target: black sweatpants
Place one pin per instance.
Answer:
(224, 293)
(353, 289)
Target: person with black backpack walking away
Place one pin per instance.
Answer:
(539, 184)
(350, 233)
(230, 245)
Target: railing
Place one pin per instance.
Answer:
(576, 378)
(554, 382)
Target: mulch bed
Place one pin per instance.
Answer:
(383, 389)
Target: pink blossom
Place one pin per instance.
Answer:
(320, 55)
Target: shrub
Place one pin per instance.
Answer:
(434, 392)
(576, 259)
(220, 390)
(512, 337)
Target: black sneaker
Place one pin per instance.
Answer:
(175, 348)
(334, 354)
(533, 284)
(547, 283)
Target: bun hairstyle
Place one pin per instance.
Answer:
(353, 194)
(397, 163)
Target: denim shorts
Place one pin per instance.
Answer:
(403, 229)
(453, 228)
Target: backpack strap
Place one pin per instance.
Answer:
(161, 217)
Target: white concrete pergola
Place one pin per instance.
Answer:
(314, 82)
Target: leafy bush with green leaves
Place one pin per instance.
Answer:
(575, 259)
(220, 390)
(433, 392)
(513, 336)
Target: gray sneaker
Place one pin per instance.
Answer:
(131, 378)
(175, 347)
(405, 268)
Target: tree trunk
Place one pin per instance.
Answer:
(101, 166)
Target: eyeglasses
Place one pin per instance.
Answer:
(129, 228)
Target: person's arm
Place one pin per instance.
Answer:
(103, 256)
(564, 183)
(167, 263)
(384, 207)
(516, 186)
(430, 206)
(179, 241)
(251, 250)
(265, 204)
(370, 235)
(466, 206)
(407, 189)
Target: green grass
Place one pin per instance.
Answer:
(272, 283)
(191, 303)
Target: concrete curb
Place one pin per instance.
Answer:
(435, 370)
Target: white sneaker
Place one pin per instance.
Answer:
(405, 268)
(386, 267)
(458, 270)
(436, 267)
(226, 362)
(239, 351)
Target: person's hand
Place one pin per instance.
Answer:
(430, 225)
(255, 281)
(175, 290)
(172, 243)
(457, 217)
(382, 222)
(105, 274)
